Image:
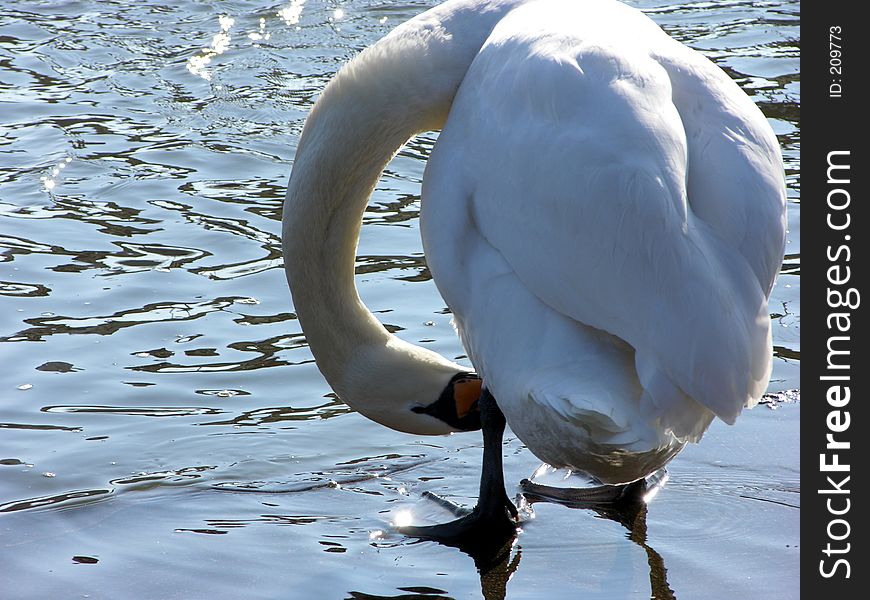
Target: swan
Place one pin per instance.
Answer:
(603, 213)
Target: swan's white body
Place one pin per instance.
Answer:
(603, 212)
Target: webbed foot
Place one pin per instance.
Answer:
(487, 533)
(596, 496)
(477, 523)
(602, 494)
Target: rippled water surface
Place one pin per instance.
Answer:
(152, 366)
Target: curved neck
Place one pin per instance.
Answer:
(402, 85)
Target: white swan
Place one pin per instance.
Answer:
(603, 212)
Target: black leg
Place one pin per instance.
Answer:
(492, 498)
(495, 515)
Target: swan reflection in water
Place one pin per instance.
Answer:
(629, 510)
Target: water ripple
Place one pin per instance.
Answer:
(109, 324)
(64, 500)
(134, 411)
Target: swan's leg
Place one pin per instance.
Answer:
(492, 498)
(494, 513)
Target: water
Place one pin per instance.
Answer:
(153, 368)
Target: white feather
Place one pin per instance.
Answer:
(595, 177)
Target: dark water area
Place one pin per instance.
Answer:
(164, 432)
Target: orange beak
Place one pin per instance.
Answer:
(465, 393)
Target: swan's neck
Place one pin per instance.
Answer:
(402, 85)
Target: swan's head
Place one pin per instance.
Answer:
(409, 389)
(457, 406)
